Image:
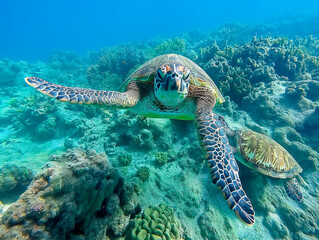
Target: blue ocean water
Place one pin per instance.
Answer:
(93, 171)
(32, 30)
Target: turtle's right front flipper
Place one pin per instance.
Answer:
(88, 96)
(223, 165)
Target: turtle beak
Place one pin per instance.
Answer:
(174, 83)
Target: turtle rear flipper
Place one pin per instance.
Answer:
(83, 95)
(293, 189)
(224, 169)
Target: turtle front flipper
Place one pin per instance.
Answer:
(224, 169)
(86, 96)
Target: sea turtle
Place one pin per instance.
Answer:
(265, 155)
(172, 86)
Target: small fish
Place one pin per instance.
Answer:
(1, 207)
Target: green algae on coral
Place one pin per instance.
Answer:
(143, 173)
(161, 158)
(124, 158)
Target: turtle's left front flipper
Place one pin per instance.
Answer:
(223, 166)
(87, 96)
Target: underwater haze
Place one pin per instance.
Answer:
(32, 30)
(157, 120)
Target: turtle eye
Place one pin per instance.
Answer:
(161, 72)
(186, 73)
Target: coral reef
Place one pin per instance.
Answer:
(124, 158)
(9, 72)
(69, 143)
(155, 223)
(239, 69)
(77, 195)
(175, 45)
(32, 115)
(161, 158)
(270, 85)
(143, 173)
(114, 64)
(13, 177)
(209, 230)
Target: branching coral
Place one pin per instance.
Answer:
(114, 64)
(175, 45)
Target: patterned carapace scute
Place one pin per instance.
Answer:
(266, 155)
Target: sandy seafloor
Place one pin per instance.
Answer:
(271, 84)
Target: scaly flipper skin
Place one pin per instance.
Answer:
(83, 95)
(293, 189)
(224, 169)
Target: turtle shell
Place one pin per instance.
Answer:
(265, 155)
(198, 76)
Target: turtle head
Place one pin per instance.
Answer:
(171, 84)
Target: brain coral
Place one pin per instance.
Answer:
(156, 223)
